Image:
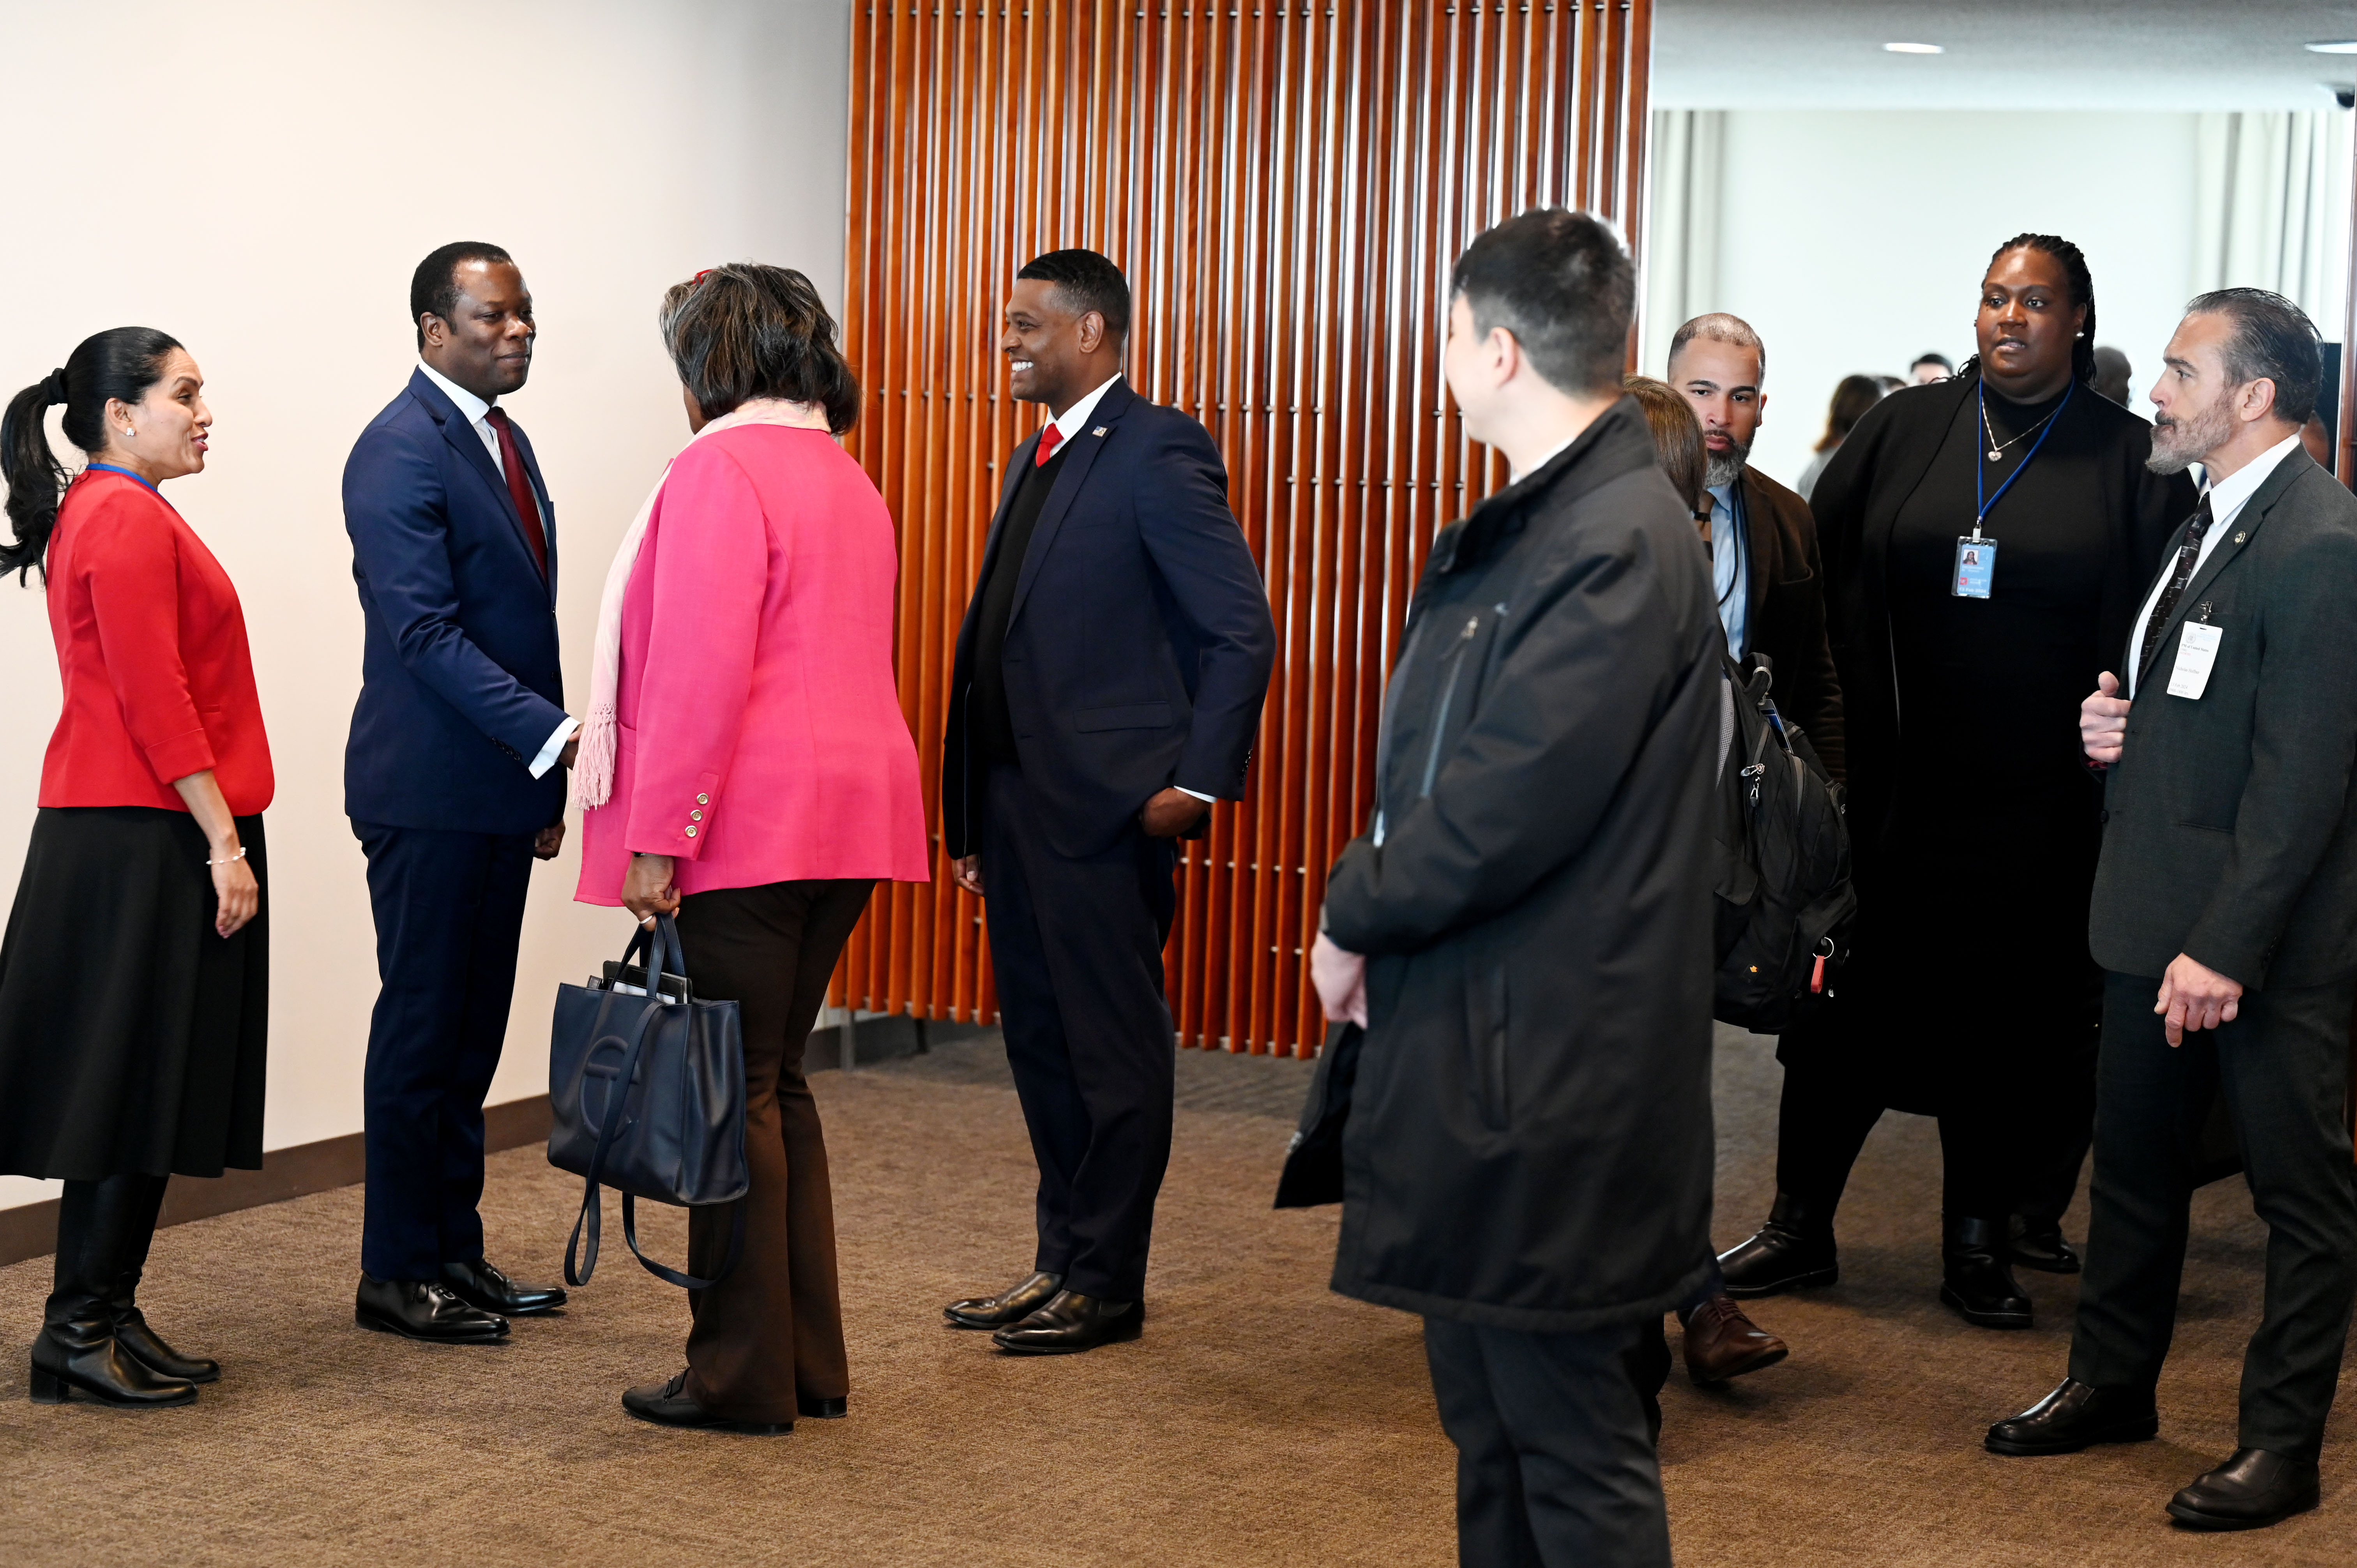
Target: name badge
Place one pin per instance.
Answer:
(1975, 568)
(2197, 651)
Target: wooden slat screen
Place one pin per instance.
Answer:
(1286, 188)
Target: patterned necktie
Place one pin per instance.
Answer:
(2188, 554)
(519, 488)
(1049, 439)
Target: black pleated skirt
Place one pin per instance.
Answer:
(132, 1036)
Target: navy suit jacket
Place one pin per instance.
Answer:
(1139, 646)
(459, 683)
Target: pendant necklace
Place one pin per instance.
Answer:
(1996, 447)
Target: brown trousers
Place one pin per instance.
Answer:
(773, 1328)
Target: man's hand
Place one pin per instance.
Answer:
(572, 749)
(2193, 997)
(1170, 813)
(548, 840)
(969, 874)
(647, 890)
(2103, 722)
(1341, 980)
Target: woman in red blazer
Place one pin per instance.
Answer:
(134, 975)
(746, 762)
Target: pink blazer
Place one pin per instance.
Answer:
(761, 737)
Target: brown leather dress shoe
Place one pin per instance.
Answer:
(667, 1404)
(1072, 1323)
(1013, 1304)
(1721, 1343)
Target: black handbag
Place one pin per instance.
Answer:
(647, 1087)
(1313, 1160)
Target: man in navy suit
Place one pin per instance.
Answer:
(1109, 681)
(453, 779)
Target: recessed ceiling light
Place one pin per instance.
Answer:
(2347, 48)
(1929, 48)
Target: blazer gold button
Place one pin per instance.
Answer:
(696, 816)
(703, 800)
(691, 833)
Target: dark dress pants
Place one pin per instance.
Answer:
(1076, 948)
(1555, 1461)
(450, 914)
(773, 1328)
(2282, 1067)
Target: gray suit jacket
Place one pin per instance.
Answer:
(2230, 829)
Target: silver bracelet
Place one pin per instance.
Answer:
(226, 860)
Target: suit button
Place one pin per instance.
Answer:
(2104, 816)
(696, 816)
(691, 833)
(703, 800)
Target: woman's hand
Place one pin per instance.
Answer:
(1341, 977)
(236, 893)
(647, 890)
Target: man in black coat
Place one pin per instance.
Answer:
(2225, 916)
(1525, 929)
(1108, 684)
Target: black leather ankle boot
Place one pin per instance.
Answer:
(1794, 1250)
(132, 1331)
(77, 1351)
(1979, 1280)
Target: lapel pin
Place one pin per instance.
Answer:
(2240, 537)
(1100, 430)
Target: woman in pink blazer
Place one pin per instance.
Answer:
(745, 763)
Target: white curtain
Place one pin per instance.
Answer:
(1680, 259)
(2271, 208)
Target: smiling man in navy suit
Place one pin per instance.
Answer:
(453, 779)
(1109, 681)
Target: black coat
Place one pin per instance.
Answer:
(1140, 647)
(2230, 827)
(1530, 1140)
(1787, 612)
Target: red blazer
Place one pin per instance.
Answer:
(152, 652)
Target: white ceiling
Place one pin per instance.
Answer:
(2000, 54)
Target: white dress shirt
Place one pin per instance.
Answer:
(476, 413)
(2227, 498)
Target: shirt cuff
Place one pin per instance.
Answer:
(547, 758)
(1206, 800)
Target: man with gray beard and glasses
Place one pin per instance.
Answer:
(2226, 918)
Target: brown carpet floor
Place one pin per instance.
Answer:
(1262, 1420)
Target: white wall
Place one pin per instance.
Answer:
(259, 180)
(1855, 241)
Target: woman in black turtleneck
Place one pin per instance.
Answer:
(1969, 992)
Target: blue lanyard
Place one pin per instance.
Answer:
(1980, 466)
(110, 469)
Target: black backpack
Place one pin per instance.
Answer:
(1784, 897)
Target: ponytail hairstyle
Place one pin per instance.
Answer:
(119, 363)
(2083, 291)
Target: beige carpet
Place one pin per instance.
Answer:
(1262, 1420)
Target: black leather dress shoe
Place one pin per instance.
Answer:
(1794, 1250)
(1013, 1304)
(667, 1404)
(1071, 1321)
(2039, 1245)
(483, 1287)
(2251, 1491)
(423, 1309)
(2074, 1416)
(822, 1409)
(1977, 1276)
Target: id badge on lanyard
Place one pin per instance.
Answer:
(1975, 573)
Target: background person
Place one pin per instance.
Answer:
(135, 979)
(1764, 558)
(1973, 825)
(2114, 374)
(2225, 916)
(762, 780)
(1677, 443)
(1928, 370)
(1524, 927)
(1108, 684)
(1852, 395)
(449, 780)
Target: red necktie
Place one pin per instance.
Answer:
(519, 490)
(1049, 439)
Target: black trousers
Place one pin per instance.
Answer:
(450, 914)
(2281, 1068)
(1555, 1461)
(1076, 947)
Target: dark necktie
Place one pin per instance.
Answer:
(2188, 554)
(1049, 439)
(520, 490)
